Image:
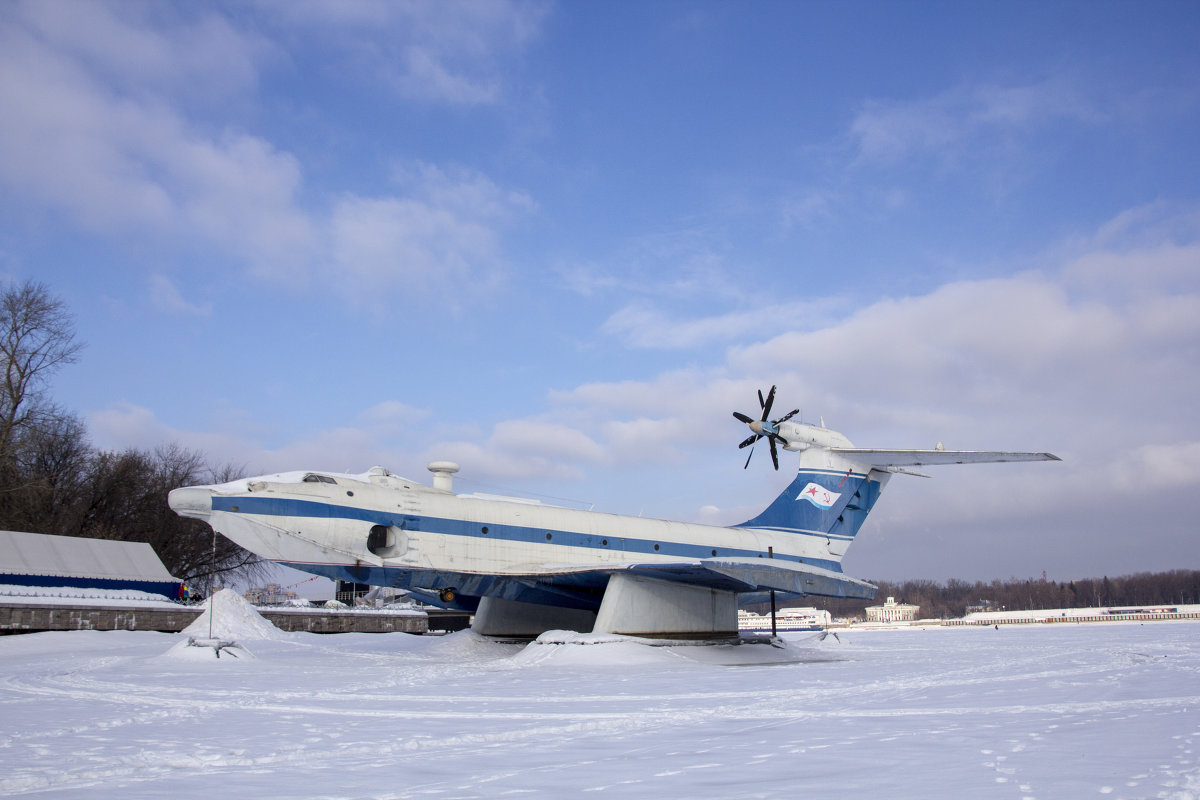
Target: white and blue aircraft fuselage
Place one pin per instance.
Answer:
(523, 567)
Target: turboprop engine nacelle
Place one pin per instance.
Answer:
(801, 436)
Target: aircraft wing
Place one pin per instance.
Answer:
(580, 585)
(919, 458)
(755, 574)
(789, 576)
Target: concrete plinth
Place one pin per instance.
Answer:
(517, 620)
(637, 606)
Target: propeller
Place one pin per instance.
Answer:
(763, 428)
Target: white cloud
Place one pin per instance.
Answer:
(126, 425)
(1095, 361)
(806, 210)
(442, 234)
(391, 417)
(524, 449)
(353, 447)
(435, 52)
(1161, 465)
(165, 296)
(890, 131)
(641, 324)
(684, 264)
(145, 52)
(988, 363)
(1137, 272)
(100, 128)
(120, 158)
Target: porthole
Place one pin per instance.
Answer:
(349, 493)
(604, 542)
(714, 552)
(656, 548)
(484, 530)
(549, 536)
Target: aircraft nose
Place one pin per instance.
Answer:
(191, 501)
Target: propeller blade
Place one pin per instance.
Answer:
(767, 405)
(788, 416)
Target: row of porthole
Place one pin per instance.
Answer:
(550, 537)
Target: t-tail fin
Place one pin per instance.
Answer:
(824, 502)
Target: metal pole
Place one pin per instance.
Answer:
(771, 554)
(212, 578)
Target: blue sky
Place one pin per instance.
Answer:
(560, 243)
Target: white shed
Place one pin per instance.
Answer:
(38, 559)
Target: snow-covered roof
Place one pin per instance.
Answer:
(76, 557)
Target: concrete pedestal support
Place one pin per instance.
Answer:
(637, 606)
(517, 620)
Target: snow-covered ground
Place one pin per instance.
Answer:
(1038, 711)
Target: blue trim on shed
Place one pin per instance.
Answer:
(168, 589)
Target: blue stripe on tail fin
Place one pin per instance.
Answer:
(824, 501)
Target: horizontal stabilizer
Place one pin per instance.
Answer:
(926, 458)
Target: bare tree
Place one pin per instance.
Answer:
(37, 336)
(126, 498)
(46, 476)
(52, 481)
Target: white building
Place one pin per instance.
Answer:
(891, 611)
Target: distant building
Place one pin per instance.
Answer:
(270, 595)
(350, 593)
(984, 606)
(786, 619)
(891, 611)
(360, 594)
(39, 559)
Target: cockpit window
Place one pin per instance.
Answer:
(312, 477)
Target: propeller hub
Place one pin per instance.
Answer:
(764, 427)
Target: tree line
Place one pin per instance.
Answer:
(52, 480)
(950, 599)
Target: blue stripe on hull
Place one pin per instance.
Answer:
(286, 507)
